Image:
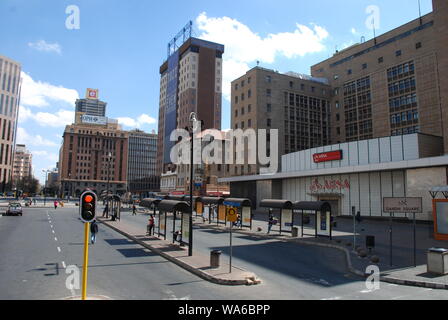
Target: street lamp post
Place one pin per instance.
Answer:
(193, 121)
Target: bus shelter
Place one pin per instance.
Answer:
(244, 210)
(198, 207)
(184, 235)
(114, 202)
(322, 216)
(210, 205)
(284, 208)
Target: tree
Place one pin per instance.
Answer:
(28, 184)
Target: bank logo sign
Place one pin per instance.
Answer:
(327, 156)
(94, 120)
(92, 94)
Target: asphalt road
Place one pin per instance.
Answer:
(36, 250)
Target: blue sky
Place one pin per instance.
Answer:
(121, 44)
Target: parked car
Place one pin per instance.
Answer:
(14, 209)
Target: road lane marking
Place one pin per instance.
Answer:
(59, 249)
(52, 231)
(63, 265)
(55, 239)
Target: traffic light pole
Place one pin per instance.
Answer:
(86, 260)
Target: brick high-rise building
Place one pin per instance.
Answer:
(294, 104)
(93, 156)
(190, 81)
(393, 84)
(10, 86)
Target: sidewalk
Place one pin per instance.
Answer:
(198, 264)
(401, 272)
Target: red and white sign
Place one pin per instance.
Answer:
(327, 156)
(92, 93)
(329, 185)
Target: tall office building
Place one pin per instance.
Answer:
(93, 156)
(23, 162)
(394, 84)
(190, 81)
(91, 105)
(296, 105)
(142, 174)
(10, 85)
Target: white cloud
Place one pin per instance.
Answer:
(44, 46)
(46, 155)
(141, 120)
(243, 46)
(42, 94)
(23, 137)
(55, 120)
(25, 114)
(354, 32)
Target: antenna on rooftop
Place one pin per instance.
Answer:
(374, 31)
(420, 12)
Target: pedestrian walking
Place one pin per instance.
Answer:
(134, 210)
(93, 231)
(106, 210)
(35, 201)
(271, 221)
(358, 217)
(150, 226)
(55, 204)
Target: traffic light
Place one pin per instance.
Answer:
(88, 206)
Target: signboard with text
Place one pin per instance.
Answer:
(327, 156)
(93, 120)
(402, 205)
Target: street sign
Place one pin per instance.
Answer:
(402, 205)
(232, 215)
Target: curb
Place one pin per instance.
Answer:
(203, 275)
(414, 283)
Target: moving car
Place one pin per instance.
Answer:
(14, 209)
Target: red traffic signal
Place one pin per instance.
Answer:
(87, 206)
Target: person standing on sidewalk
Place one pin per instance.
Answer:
(106, 210)
(93, 231)
(150, 225)
(55, 204)
(134, 210)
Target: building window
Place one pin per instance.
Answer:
(249, 108)
(236, 113)
(364, 66)
(380, 60)
(418, 45)
(349, 71)
(268, 122)
(268, 79)
(338, 117)
(236, 99)
(268, 107)
(249, 93)
(398, 53)
(291, 84)
(268, 92)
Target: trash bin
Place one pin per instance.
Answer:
(214, 258)
(295, 232)
(437, 261)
